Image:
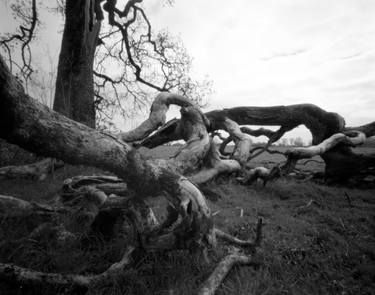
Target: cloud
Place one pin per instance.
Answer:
(350, 56)
(286, 54)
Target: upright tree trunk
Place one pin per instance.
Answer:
(74, 96)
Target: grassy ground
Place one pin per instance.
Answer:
(325, 248)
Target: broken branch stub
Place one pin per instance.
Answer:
(326, 145)
(157, 116)
(242, 141)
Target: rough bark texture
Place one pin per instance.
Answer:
(74, 96)
(11, 154)
(321, 123)
(214, 166)
(341, 162)
(157, 116)
(38, 170)
(36, 128)
(189, 225)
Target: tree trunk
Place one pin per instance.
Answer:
(189, 223)
(74, 96)
(35, 127)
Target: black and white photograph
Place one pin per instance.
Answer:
(176, 147)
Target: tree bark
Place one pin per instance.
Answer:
(211, 285)
(36, 128)
(157, 116)
(74, 95)
(341, 162)
(38, 170)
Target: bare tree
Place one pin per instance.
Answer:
(100, 36)
(22, 41)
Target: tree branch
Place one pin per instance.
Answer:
(27, 34)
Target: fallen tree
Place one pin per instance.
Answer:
(331, 139)
(188, 224)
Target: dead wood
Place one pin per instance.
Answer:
(322, 124)
(326, 145)
(213, 166)
(263, 173)
(157, 116)
(211, 285)
(242, 140)
(189, 224)
(13, 273)
(38, 170)
(14, 207)
(35, 127)
(338, 157)
(235, 257)
(78, 185)
(252, 244)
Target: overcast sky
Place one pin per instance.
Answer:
(275, 52)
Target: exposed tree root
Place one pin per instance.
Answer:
(235, 257)
(13, 273)
(210, 286)
(312, 161)
(253, 244)
(38, 170)
(262, 173)
(39, 129)
(213, 166)
(151, 237)
(78, 185)
(14, 207)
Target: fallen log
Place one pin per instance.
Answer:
(38, 171)
(341, 162)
